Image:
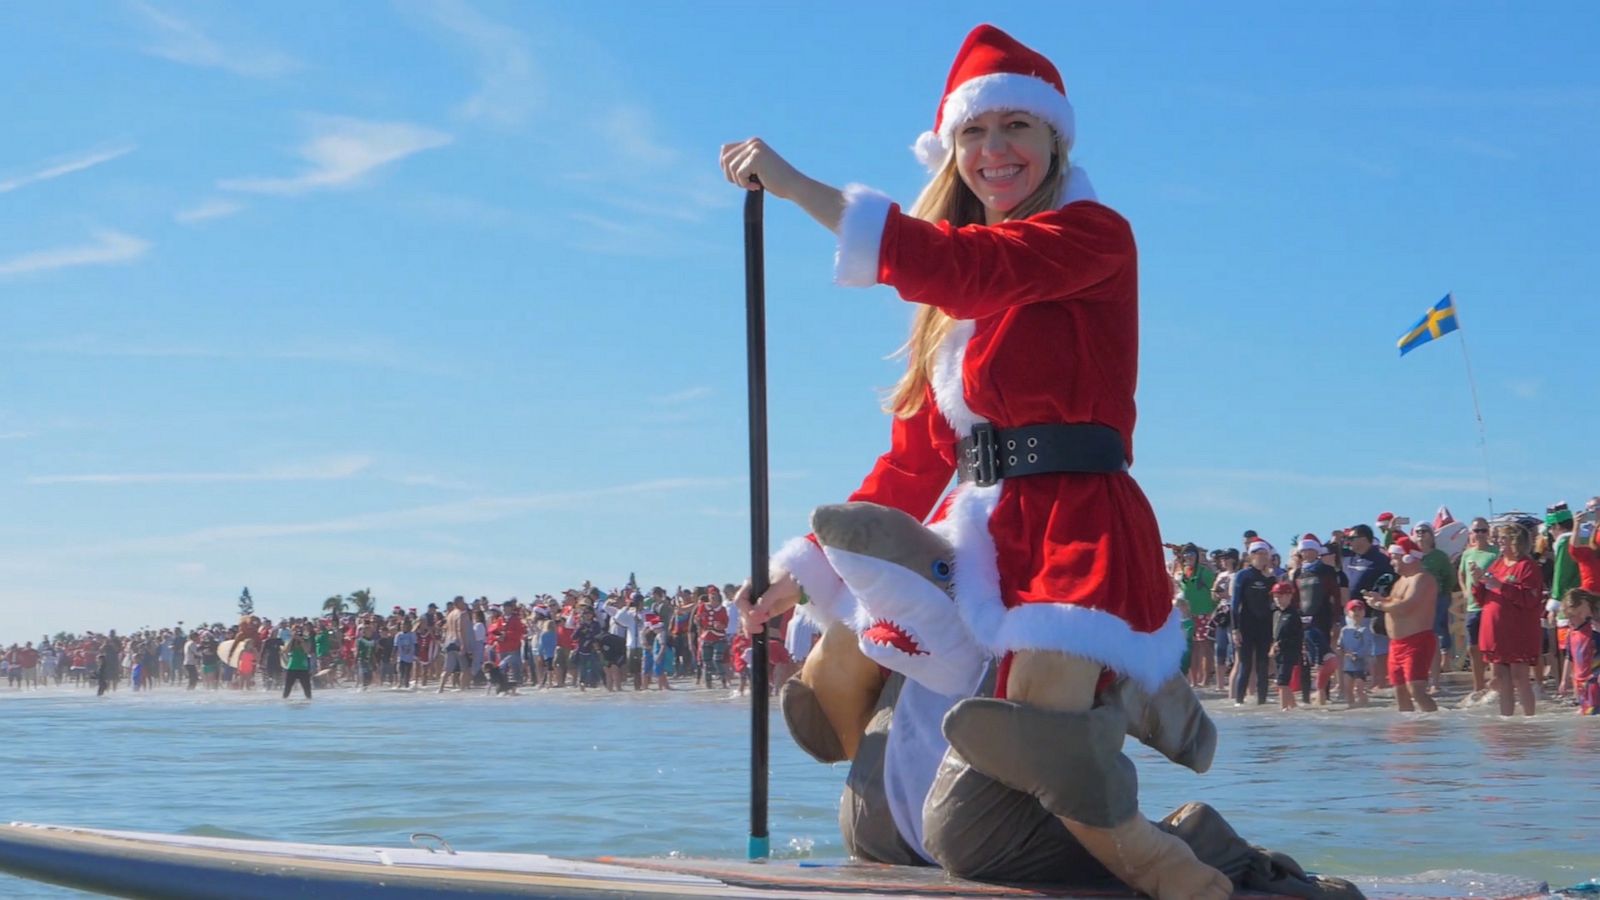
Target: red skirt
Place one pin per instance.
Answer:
(1509, 634)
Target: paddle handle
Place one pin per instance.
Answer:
(756, 381)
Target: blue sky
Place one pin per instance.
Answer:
(446, 297)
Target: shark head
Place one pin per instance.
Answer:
(901, 574)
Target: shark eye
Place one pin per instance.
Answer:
(941, 570)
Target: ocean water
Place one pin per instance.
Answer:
(1370, 791)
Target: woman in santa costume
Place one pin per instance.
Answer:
(1022, 365)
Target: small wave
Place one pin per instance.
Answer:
(215, 831)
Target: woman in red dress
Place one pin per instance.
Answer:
(1512, 596)
(1024, 350)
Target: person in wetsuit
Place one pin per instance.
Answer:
(1252, 622)
(1318, 592)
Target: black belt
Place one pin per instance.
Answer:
(990, 454)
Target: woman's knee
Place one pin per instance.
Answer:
(1053, 680)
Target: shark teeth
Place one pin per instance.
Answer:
(886, 633)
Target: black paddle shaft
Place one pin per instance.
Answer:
(755, 302)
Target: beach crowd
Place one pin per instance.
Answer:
(587, 640)
(1364, 609)
(1367, 608)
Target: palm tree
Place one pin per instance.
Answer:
(335, 605)
(363, 601)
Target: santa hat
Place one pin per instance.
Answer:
(1310, 542)
(1259, 545)
(1385, 518)
(1405, 548)
(992, 71)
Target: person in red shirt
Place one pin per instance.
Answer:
(27, 660)
(712, 618)
(1511, 630)
(566, 627)
(427, 650)
(1582, 547)
(507, 640)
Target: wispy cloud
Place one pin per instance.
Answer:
(634, 237)
(360, 351)
(207, 211)
(110, 247)
(480, 509)
(17, 435)
(1312, 481)
(510, 86)
(342, 152)
(433, 481)
(1526, 388)
(181, 41)
(334, 469)
(1475, 99)
(60, 167)
(686, 395)
(1475, 147)
(632, 135)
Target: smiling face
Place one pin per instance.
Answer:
(1003, 157)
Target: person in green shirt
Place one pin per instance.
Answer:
(1195, 581)
(297, 665)
(1479, 556)
(1563, 577)
(1436, 562)
(366, 643)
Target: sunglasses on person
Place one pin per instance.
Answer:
(1480, 531)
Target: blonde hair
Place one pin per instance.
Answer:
(1524, 545)
(948, 199)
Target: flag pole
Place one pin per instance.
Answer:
(1477, 410)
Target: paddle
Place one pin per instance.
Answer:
(756, 383)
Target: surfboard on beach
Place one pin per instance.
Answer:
(145, 864)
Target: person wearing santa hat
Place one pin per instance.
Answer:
(1409, 612)
(1021, 368)
(1320, 598)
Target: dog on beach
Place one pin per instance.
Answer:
(498, 680)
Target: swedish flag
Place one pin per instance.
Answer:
(1436, 323)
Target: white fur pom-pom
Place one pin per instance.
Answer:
(930, 150)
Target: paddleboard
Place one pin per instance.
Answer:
(145, 864)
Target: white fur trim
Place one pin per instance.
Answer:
(1149, 658)
(1002, 90)
(829, 602)
(855, 263)
(1078, 187)
(930, 151)
(947, 381)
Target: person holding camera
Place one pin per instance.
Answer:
(1511, 594)
(297, 663)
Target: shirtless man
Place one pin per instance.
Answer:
(1410, 611)
(457, 647)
